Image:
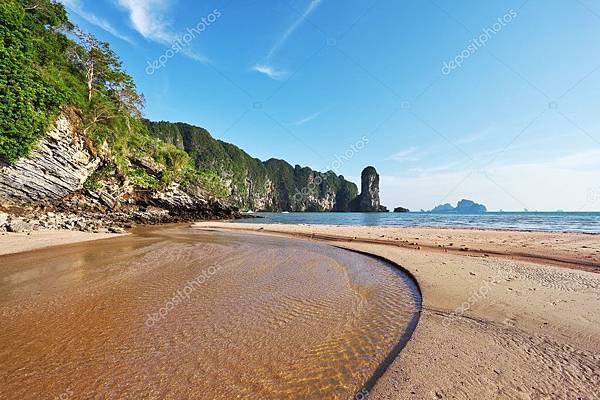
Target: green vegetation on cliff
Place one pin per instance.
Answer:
(272, 185)
(30, 95)
(48, 66)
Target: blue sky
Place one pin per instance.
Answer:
(494, 101)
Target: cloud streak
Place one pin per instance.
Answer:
(75, 7)
(147, 18)
(265, 67)
(270, 71)
(474, 137)
(307, 119)
(585, 160)
(311, 7)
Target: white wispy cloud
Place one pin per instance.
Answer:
(409, 154)
(587, 160)
(196, 56)
(147, 17)
(266, 67)
(279, 43)
(306, 119)
(75, 7)
(270, 71)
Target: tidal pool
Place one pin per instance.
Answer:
(177, 313)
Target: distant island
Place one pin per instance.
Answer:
(401, 210)
(463, 207)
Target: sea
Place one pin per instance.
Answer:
(581, 222)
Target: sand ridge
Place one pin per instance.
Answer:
(571, 250)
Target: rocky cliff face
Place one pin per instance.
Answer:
(58, 166)
(64, 177)
(368, 200)
(272, 185)
(47, 190)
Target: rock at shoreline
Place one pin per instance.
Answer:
(116, 229)
(401, 210)
(18, 226)
(46, 190)
(3, 221)
(368, 200)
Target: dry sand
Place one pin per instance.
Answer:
(11, 243)
(506, 315)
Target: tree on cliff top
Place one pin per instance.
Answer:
(42, 70)
(28, 98)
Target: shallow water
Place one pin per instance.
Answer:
(175, 313)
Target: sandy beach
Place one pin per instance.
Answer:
(299, 200)
(505, 315)
(508, 326)
(11, 243)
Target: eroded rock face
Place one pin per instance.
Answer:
(368, 200)
(271, 185)
(58, 166)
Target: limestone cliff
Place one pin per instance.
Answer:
(59, 165)
(118, 163)
(55, 177)
(272, 185)
(64, 173)
(368, 200)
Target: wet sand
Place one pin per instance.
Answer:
(580, 251)
(509, 324)
(175, 313)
